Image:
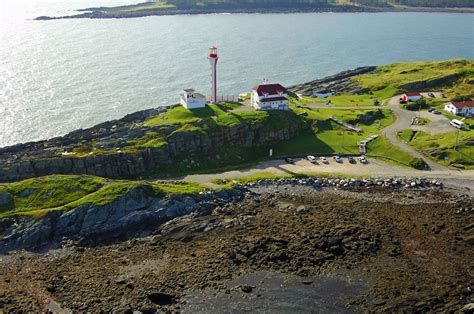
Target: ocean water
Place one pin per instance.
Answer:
(57, 76)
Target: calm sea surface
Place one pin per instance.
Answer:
(56, 76)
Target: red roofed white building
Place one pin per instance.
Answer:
(462, 108)
(269, 97)
(411, 96)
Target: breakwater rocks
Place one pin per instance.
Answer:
(132, 214)
(339, 83)
(108, 149)
(409, 183)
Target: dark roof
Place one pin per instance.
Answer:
(412, 94)
(270, 89)
(273, 99)
(463, 104)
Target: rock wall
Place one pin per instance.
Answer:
(128, 165)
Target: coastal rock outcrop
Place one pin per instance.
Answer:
(132, 214)
(338, 83)
(108, 139)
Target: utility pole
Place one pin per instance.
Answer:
(457, 136)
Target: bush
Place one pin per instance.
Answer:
(419, 104)
(418, 163)
(459, 98)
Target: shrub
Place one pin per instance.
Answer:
(459, 98)
(418, 163)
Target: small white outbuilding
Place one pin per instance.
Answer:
(192, 100)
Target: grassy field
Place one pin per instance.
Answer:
(383, 149)
(348, 100)
(36, 197)
(441, 147)
(396, 75)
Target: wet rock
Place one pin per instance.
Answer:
(246, 288)
(5, 199)
(161, 298)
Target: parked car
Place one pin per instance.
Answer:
(351, 160)
(436, 111)
(457, 124)
(337, 159)
(363, 160)
(289, 160)
(311, 158)
(431, 109)
(402, 101)
(324, 160)
(431, 95)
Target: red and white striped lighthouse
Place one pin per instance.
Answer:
(213, 61)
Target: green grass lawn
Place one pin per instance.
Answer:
(382, 148)
(36, 197)
(348, 100)
(398, 74)
(440, 147)
(327, 137)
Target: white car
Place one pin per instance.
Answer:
(324, 160)
(363, 160)
(337, 159)
(311, 158)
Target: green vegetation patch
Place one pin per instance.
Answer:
(349, 100)
(49, 191)
(442, 147)
(328, 137)
(382, 148)
(397, 75)
(153, 6)
(36, 197)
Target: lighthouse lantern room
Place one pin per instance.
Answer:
(213, 61)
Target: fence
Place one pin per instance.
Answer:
(233, 98)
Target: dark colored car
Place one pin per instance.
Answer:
(431, 109)
(403, 101)
(431, 95)
(289, 160)
(436, 111)
(351, 159)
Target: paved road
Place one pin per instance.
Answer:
(403, 122)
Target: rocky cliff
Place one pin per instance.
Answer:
(135, 213)
(110, 154)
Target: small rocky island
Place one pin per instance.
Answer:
(175, 7)
(107, 218)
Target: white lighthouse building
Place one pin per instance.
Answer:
(213, 61)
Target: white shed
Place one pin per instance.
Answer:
(192, 100)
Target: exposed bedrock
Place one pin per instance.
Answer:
(132, 214)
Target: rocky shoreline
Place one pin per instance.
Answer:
(111, 13)
(408, 241)
(136, 212)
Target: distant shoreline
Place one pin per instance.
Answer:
(118, 13)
